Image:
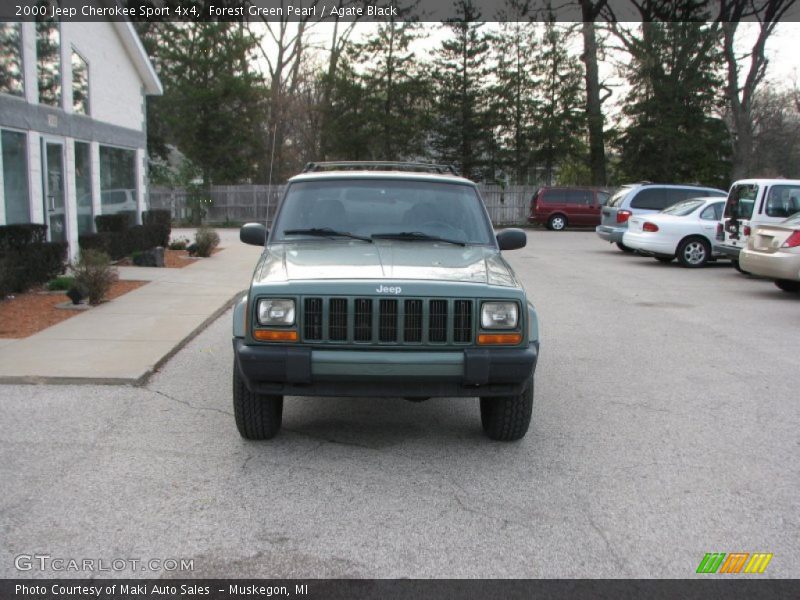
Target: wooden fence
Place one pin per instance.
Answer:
(241, 203)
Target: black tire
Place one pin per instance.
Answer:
(507, 418)
(557, 223)
(258, 417)
(665, 259)
(788, 286)
(623, 247)
(738, 267)
(693, 252)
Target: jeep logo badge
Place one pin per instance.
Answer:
(382, 289)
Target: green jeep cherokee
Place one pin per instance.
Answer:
(383, 279)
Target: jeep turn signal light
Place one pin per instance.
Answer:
(275, 335)
(486, 339)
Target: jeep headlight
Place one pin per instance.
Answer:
(276, 311)
(499, 315)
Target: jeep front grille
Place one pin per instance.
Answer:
(387, 321)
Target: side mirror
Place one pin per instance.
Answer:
(254, 234)
(512, 239)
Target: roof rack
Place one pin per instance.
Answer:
(312, 167)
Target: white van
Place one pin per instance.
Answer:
(752, 202)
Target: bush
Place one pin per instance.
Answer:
(179, 244)
(159, 223)
(95, 275)
(114, 245)
(206, 239)
(19, 236)
(112, 223)
(60, 284)
(31, 264)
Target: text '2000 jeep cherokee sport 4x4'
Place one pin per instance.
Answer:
(383, 279)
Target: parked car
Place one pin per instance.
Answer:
(558, 207)
(643, 198)
(685, 231)
(753, 202)
(383, 279)
(774, 251)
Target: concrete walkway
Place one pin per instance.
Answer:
(126, 339)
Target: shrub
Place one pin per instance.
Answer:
(206, 239)
(114, 245)
(60, 284)
(179, 244)
(30, 264)
(21, 235)
(160, 223)
(116, 223)
(94, 274)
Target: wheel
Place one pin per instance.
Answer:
(623, 247)
(557, 223)
(506, 418)
(694, 252)
(738, 267)
(665, 259)
(258, 417)
(788, 286)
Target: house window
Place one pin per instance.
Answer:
(11, 59)
(80, 84)
(15, 177)
(83, 187)
(48, 62)
(118, 181)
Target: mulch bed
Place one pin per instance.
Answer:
(29, 313)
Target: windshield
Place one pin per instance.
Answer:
(741, 201)
(616, 199)
(681, 209)
(368, 207)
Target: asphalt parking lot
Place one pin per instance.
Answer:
(665, 427)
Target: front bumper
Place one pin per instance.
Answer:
(610, 234)
(300, 371)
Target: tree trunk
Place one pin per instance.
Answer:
(594, 113)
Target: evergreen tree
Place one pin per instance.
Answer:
(674, 133)
(561, 123)
(462, 131)
(213, 107)
(397, 92)
(515, 101)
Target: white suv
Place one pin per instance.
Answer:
(752, 202)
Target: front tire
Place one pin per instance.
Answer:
(788, 286)
(258, 416)
(694, 252)
(507, 418)
(557, 223)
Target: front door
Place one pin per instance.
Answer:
(53, 187)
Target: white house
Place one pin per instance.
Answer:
(72, 124)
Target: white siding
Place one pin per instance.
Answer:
(115, 89)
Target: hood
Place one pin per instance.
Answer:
(384, 259)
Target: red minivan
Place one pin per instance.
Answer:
(558, 207)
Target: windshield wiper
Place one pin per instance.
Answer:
(414, 236)
(326, 232)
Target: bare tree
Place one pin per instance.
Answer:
(740, 94)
